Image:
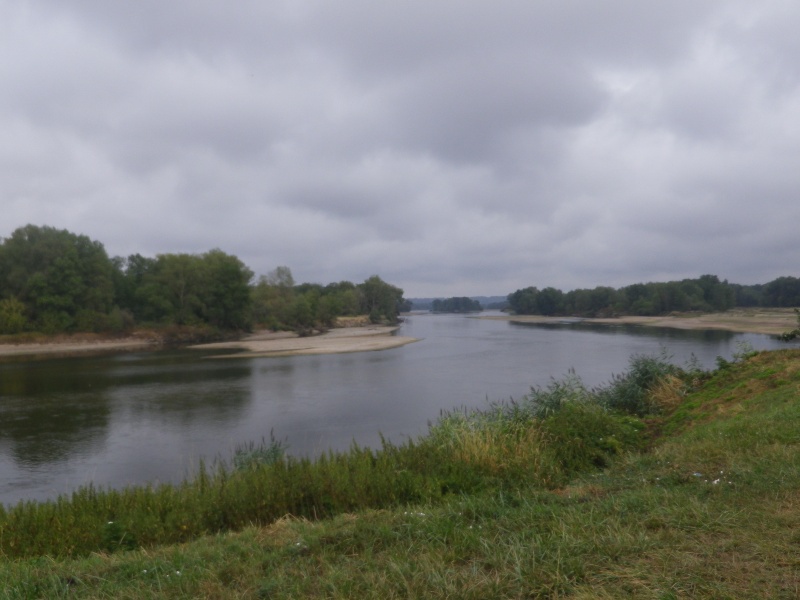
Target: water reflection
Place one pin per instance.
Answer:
(36, 433)
(663, 333)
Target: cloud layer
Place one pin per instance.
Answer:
(454, 148)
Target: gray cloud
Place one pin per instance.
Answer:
(451, 147)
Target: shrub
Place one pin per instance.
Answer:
(12, 316)
(630, 392)
(583, 436)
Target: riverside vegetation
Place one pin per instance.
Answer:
(667, 482)
(56, 282)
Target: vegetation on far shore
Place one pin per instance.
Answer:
(667, 482)
(456, 304)
(703, 294)
(54, 281)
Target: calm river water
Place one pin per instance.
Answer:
(151, 417)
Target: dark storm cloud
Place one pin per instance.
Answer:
(451, 147)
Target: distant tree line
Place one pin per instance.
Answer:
(460, 304)
(706, 293)
(55, 281)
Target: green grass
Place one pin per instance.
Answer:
(535, 499)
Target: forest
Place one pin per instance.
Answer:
(459, 304)
(54, 281)
(704, 294)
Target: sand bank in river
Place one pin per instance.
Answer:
(75, 345)
(264, 343)
(335, 341)
(360, 339)
(771, 321)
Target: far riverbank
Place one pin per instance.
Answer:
(769, 321)
(355, 338)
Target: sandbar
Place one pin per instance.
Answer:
(71, 346)
(334, 341)
(769, 321)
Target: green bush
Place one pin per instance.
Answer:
(12, 316)
(630, 391)
(583, 436)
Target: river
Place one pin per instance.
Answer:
(135, 418)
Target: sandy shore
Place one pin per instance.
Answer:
(772, 321)
(264, 343)
(335, 341)
(362, 339)
(68, 347)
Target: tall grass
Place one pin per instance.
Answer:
(542, 440)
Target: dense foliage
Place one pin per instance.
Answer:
(54, 281)
(280, 304)
(456, 305)
(706, 293)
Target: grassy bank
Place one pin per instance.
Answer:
(666, 483)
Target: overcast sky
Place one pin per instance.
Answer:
(451, 147)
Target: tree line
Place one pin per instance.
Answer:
(460, 304)
(55, 281)
(704, 294)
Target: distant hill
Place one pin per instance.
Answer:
(487, 302)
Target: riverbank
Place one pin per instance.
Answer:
(491, 507)
(77, 344)
(769, 321)
(335, 341)
(354, 334)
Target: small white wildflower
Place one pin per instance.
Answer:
(715, 482)
(144, 571)
(178, 573)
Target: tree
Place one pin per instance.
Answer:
(380, 300)
(171, 290)
(57, 276)
(523, 302)
(783, 291)
(189, 289)
(272, 299)
(12, 316)
(460, 304)
(225, 290)
(550, 301)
